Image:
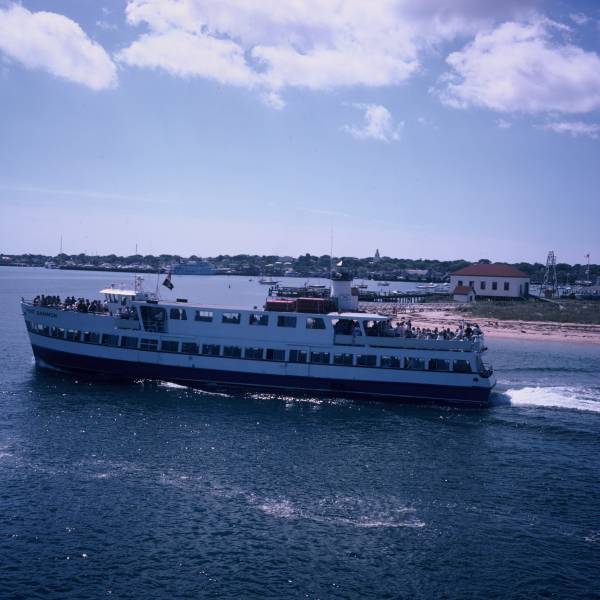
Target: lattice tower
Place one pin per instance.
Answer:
(549, 287)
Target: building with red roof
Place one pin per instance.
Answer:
(491, 280)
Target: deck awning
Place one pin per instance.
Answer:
(118, 292)
(359, 315)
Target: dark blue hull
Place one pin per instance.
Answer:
(119, 369)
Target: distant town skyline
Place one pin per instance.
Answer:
(9, 258)
(437, 129)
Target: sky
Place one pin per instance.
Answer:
(425, 128)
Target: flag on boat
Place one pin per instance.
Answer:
(167, 282)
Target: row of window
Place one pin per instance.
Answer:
(483, 284)
(154, 318)
(257, 319)
(252, 353)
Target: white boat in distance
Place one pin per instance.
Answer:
(267, 281)
(321, 346)
(192, 267)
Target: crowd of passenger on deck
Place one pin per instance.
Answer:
(71, 303)
(405, 329)
(464, 331)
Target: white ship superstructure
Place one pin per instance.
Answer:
(192, 267)
(290, 345)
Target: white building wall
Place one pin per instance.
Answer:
(517, 286)
(464, 297)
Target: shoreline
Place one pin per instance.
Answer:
(164, 270)
(447, 315)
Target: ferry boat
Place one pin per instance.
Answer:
(192, 267)
(317, 346)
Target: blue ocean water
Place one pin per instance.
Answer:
(152, 490)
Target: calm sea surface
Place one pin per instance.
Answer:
(152, 490)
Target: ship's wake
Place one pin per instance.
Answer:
(572, 398)
(353, 512)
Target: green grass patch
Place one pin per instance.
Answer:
(563, 311)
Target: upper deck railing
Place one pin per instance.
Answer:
(474, 344)
(96, 308)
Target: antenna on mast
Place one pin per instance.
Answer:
(330, 249)
(157, 277)
(135, 275)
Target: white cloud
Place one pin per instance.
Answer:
(574, 128)
(434, 20)
(273, 100)
(521, 67)
(579, 18)
(188, 55)
(40, 191)
(503, 124)
(56, 44)
(314, 44)
(378, 124)
(325, 68)
(106, 25)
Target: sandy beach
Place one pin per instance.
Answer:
(448, 315)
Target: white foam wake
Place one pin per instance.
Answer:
(556, 397)
(352, 513)
(172, 386)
